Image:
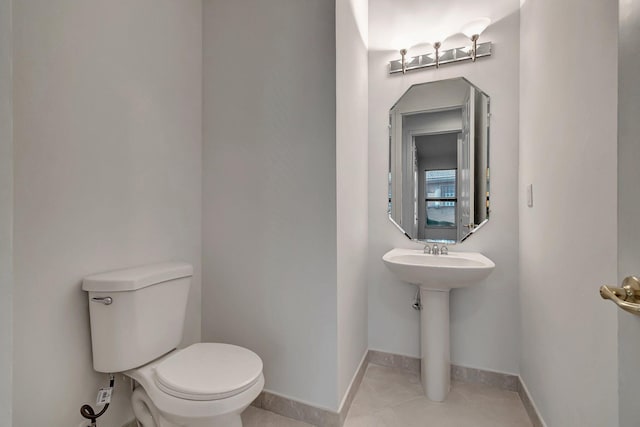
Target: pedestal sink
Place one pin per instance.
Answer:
(436, 275)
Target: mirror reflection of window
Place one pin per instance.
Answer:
(440, 198)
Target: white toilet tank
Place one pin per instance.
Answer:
(137, 314)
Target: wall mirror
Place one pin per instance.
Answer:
(439, 161)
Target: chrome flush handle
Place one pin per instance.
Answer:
(103, 300)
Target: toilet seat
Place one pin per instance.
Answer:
(208, 371)
(180, 410)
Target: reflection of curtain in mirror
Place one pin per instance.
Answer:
(408, 184)
(396, 151)
(481, 126)
(415, 187)
(464, 182)
(471, 155)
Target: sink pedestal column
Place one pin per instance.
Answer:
(434, 343)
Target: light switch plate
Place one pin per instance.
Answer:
(530, 195)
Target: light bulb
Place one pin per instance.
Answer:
(475, 27)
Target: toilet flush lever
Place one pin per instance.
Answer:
(103, 300)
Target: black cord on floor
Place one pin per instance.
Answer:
(87, 411)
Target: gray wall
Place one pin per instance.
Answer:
(107, 127)
(628, 204)
(6, 213)
(568, 152)
(269, 224)
(351, 185)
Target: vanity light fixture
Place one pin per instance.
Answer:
(439, 57)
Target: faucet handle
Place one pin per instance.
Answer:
(444, 250)
(435, 250)
(426, 250)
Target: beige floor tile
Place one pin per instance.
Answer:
(382, 387)
(254, 417)
(363, 420)
(392, 398)
(389, 397)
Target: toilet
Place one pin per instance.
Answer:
(137, 318)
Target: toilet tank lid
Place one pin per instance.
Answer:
(131, 279)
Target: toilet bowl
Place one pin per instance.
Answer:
(205, 384)
(137, 319)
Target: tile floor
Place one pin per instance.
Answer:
(392, 398)
(254, 417)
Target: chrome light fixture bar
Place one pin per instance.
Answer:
(438, 58)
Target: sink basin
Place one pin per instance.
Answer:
(436, 275)
(438, 272)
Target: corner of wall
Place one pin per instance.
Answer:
(6, 213)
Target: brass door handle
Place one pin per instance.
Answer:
(627, 297)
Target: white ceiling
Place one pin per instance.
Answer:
(396, 24)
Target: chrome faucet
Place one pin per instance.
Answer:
(435, 250)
